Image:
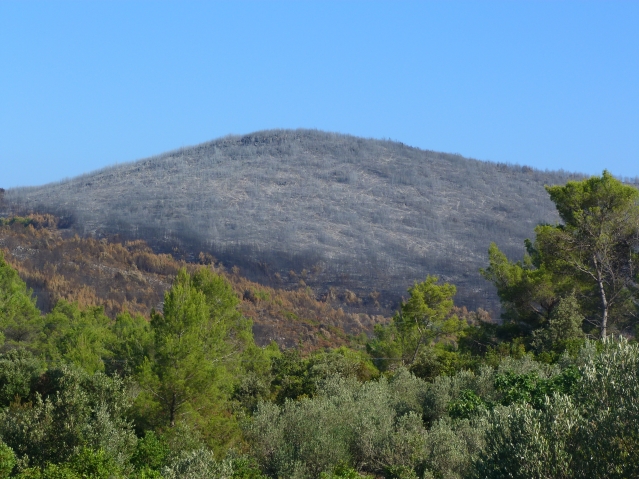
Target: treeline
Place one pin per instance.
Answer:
(552, 391)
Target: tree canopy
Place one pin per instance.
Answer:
(598, 242)
(592, 255)
(197, 348)
(424, 317)
(20, 319)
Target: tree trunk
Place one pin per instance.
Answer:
(604, 301)
(419, 343)
(172, 411)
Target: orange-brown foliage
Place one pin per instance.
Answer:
(128, 276)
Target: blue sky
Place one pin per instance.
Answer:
(86, 84)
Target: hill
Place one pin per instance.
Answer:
(302, 207)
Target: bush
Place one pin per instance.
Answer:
(201, 464)
(607, 394)
(19, 375)
(7, 460)
(586, 427)
(374, 427)
(73, 411)
(151, 452)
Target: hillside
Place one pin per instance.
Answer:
(305, 207)
(128, 276)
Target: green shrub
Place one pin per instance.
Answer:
(582, 422)
(607, 394)
(447, 390)
(19, 375)
(374, 427)
(201, 464)
(342, 471)
(468, 404)
(95, 464)
(7, 460)
(74, 410)
(151, 452)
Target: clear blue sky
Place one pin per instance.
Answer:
(551, 84)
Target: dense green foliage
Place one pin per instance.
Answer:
(579, 276)
(425, 317)
(76, 386)
(433, 394)
(598, 242)
(19, 318)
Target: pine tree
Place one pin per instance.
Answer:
(20, 320)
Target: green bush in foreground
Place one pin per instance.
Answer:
(593, 432)
(374, 427)
(7, 460)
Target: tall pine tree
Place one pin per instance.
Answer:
(20, 319)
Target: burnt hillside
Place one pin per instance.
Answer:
(322, 209)
(127, 276)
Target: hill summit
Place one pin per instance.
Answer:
(310, 208)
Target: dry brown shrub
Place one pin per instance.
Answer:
(129, 276)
